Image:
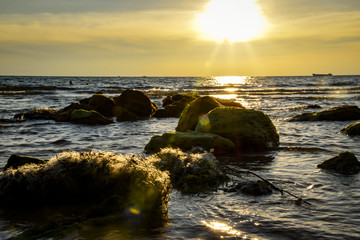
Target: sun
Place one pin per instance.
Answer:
(231, 20)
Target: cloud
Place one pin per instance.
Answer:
(81, 6)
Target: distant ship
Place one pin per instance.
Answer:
(321, 74)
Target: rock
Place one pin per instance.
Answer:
(137, 103)
(229, 102)
(190, 173)
(102, 104)
(344, 162)
(182, 97)
(92, 117)
(252, 188)
(306, 107)
(174, 105)
(248, 129)
(342, 113)
(188, 140)
(37, 114)
(123, 115)
(194, 111)
(352, 129)
(16, 161)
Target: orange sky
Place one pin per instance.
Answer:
(163, 38)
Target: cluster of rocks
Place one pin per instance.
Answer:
(221, 126)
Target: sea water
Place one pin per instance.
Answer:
(334, 212)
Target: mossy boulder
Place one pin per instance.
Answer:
(179, 97)
(102, 104)
(194, 111)
(345, 162)
(188, 140)
(341, 113)
(81, 116)
(352, 129)
(137, 103)
(16, 161)
(248, 129)
(89, 185)
(64, 114)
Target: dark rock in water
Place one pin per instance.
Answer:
(342, 113)
(102, 104)
(248, 129)
(352, 129)
(137, 103)
(123, 115)
(194, 111)
(174, 105)
(252, 188)
(307, 107)
(188, 140)
(92, 117)
(16, 161)
(344, 162)
(37, 114)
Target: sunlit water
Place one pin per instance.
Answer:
(334, 212)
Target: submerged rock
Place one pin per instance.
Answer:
(93, 184)
(123, 115)
(37, 114)
(188, 140)
(248, 129)
(81, 116)
(341, 113)
(344, 162)
(136, 102)
(190, 173)
(352, 129)
(16, 161)
(252, 188)
(194, 111)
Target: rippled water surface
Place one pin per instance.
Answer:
(334, 212)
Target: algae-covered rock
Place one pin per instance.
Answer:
(91, 184)
(64, 114)
(194, 111)
(92, 117)
(352, 129)
(190, 173)
(179, 97)
(137, 103)
(341, 113)
(248, 129)
(344, 162)
(102, 104)
(16, 161)
(188, 140)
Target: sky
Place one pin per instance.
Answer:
(165, 38)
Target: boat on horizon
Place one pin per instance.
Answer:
(321, 74)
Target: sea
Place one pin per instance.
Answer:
(334, 209)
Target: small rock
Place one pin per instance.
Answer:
(16, 161)
(344, 162)
(352, 129)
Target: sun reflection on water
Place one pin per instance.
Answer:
(226, 229)
(231, 80)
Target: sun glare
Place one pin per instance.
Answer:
(231, 20)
